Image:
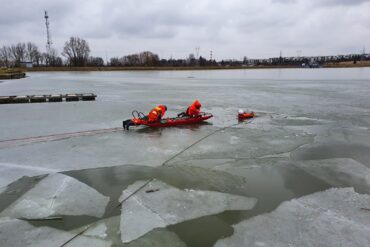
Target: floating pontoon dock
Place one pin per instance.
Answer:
(47, 98)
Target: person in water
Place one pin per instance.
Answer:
(244, 115)
(192, 111)
(155, 115)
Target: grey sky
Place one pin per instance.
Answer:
(230, 28)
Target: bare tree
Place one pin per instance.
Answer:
(95, 61)
(131, 60)
(18, 52)
(5, 55)
(77, 51)
(115, 61)
(31, 50)
(52, 58)
(148, 58)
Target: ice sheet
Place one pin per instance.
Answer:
(331, 218)
(12, 172)
(58, 194)
(241, 142)
(157, 205)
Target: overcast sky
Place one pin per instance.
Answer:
(230, 28)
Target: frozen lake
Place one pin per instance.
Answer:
(311, 135)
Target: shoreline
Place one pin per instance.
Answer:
(49, 69)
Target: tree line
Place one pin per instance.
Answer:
(76, 53)
(14, 55)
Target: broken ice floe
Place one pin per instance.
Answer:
(339, 173)
(158, 238)
(107, 230)
(58, 194)
(14, 232)
(157, 205)
(331, 218)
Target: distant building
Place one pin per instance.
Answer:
(26, 64)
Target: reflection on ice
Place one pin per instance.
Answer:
(157, 205)
(330, 218)
(58, 194)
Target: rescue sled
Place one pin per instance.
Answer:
(169, 122)
(246, 115)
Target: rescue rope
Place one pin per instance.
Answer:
(53, 137)
(163, 164)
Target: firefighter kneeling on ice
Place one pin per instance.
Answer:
(155, 115)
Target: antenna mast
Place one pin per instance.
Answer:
(48, 34)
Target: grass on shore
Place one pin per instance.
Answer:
(6, 71)
(7, 74)
(349, 64)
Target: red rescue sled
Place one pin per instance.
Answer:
(169, 122)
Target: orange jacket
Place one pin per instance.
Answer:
(157, 113)
(194, 109)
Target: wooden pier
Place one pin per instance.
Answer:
(47, 98)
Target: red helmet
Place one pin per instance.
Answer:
(197, 104)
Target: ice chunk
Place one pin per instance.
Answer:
(86, 241)
(107, 231)
(340, 172)
(104, 231)
(156, 205)
(58, 194)
(12, 172)
(330, 218)
(14, 232)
